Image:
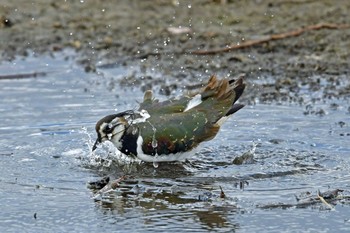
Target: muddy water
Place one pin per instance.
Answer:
(46, 126)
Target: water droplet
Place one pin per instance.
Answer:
(155, 164)
(154, 143)
(189, 6)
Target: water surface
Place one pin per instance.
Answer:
(47, 127)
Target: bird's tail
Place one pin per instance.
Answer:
(221, 96)
(224, 89)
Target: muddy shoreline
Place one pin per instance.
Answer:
(157, 37)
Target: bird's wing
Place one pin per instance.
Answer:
(216, 98)
(173, 105)
(177, 132)
(178, 125)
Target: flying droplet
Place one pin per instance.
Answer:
(154, 143)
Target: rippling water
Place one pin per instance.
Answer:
(46, 131)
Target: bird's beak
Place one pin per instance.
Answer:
(98, 141)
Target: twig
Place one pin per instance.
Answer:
(279, 36)
(21, 76)
(324, 201)
(294, 2)
(222, 194)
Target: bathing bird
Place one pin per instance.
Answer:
(171, 129)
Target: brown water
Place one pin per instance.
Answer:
(47, 128)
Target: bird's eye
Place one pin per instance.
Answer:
(108, 129)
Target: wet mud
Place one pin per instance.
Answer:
(155, 41)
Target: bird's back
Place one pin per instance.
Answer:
(179, 125)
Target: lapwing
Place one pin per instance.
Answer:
(170, 130)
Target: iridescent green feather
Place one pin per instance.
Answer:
(184, 132)
(170, 129)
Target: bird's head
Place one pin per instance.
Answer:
(110, 128)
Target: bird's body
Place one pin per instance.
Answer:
(167, 131)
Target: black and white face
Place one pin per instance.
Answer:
(110, 128)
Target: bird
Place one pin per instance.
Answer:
(169, 130)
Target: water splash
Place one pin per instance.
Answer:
(154, 140)
(105, 156)
(247, 157)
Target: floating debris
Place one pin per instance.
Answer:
(308, 199)
(99, 184)
(23, 75)
(241, 184)
(179, 30)
(222, 194)
(247, 157)
(109, 187)
(207, 196)
(324, 201)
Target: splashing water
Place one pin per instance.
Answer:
(105, 156)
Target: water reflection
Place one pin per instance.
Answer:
(171, 211)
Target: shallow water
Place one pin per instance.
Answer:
(45, 127)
